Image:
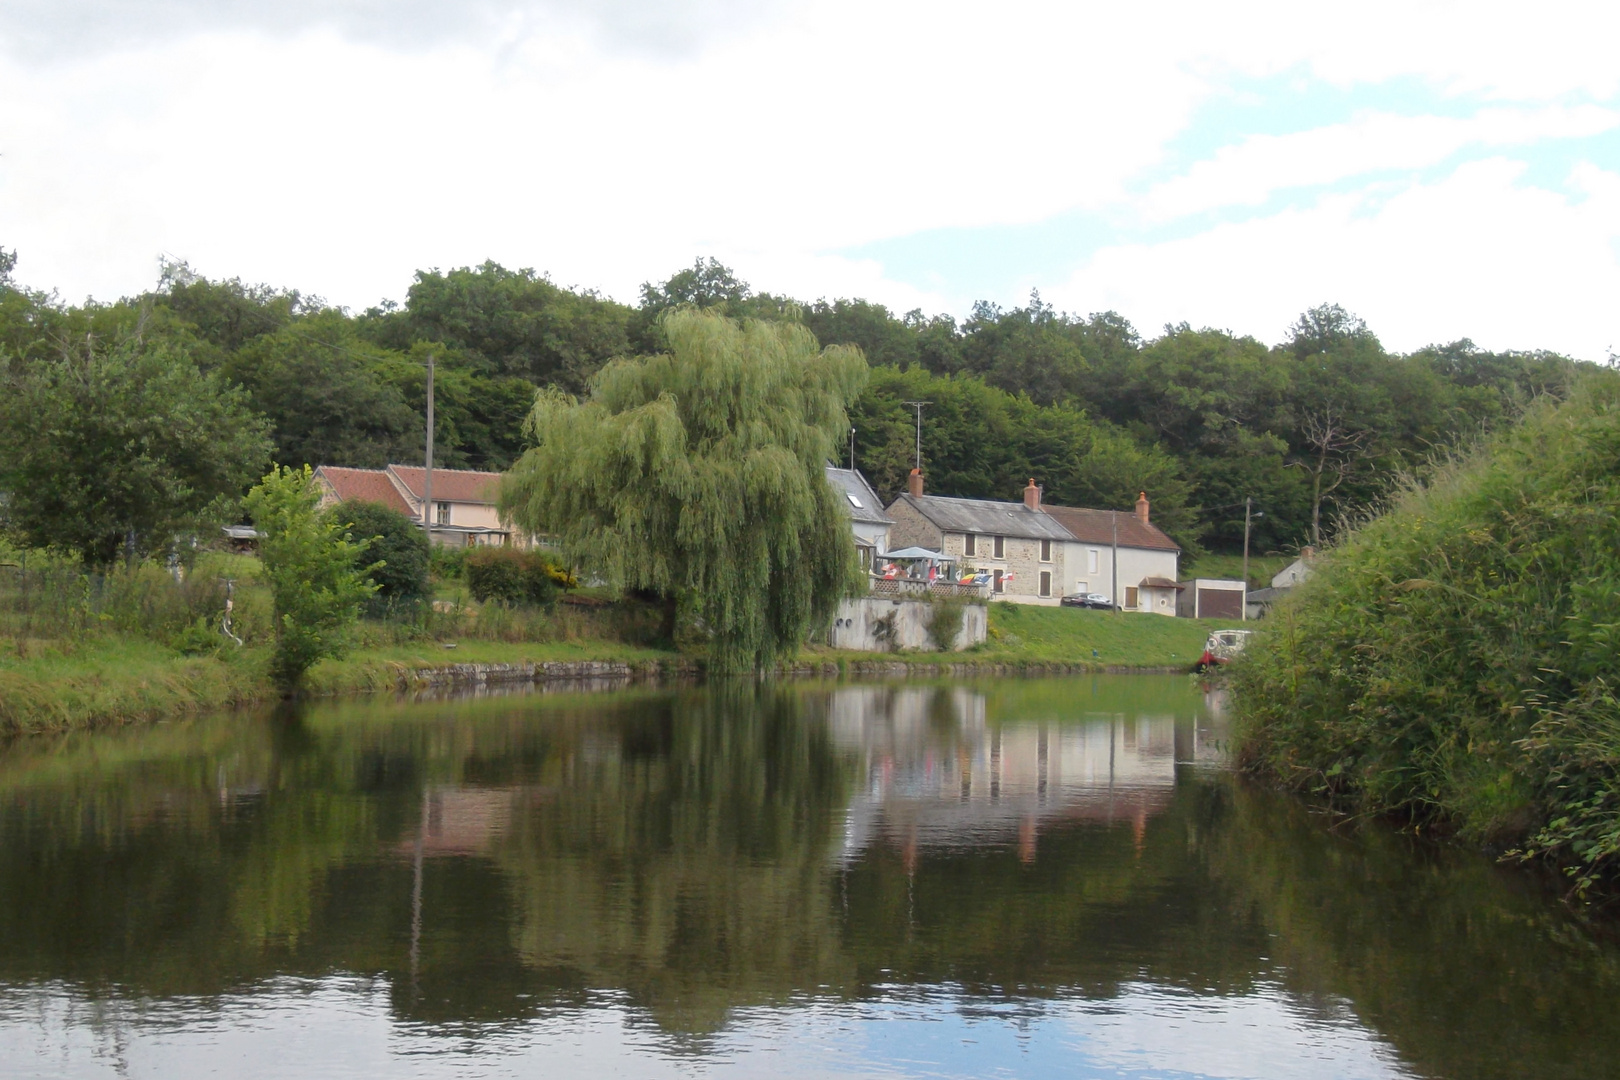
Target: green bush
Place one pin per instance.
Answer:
(448, 563)
(313, 570)
(945, 623)
(397, 543)
(509, 576)
(1455, 659)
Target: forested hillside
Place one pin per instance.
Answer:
(1202, 419)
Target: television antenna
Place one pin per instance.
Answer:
(919, 406)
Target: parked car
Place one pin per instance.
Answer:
(1094, 600)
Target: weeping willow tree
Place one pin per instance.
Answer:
(697, 475)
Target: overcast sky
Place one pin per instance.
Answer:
(1442, 169)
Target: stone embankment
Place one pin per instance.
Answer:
(456, 676)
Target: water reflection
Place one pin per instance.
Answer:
(1023, 876)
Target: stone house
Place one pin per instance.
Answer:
(463, 515)
(1020, 548)
(1038, 553)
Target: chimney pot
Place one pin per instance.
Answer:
(1032, 495)
(914, 483)
(1142, 506)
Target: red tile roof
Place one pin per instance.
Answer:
(450, 485)
(1095, 527)
(364, 485)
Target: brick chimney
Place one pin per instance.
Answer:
(914, 483)
(1032, 496)
(1142, 506)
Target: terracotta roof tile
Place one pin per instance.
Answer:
(1095, 527)
(363, 485)
(450, 485)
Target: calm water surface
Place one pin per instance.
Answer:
(978, 879)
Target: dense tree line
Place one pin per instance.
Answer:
(1310, 429)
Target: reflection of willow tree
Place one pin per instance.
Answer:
(680, 846)
(690, 868)
(1468, 969)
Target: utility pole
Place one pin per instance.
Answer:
(1113, 517)
(1248, 519)
(427, 480)
(919, 406)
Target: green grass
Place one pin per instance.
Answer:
(1029, 635)
(1262, 568)
(119, 680)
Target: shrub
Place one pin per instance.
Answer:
(313, 573)
(397, 556)
(945, 623)
(447, 563)
(509, 576)
(1454, 659)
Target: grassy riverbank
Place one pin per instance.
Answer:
(118, 678)
(1455, 661)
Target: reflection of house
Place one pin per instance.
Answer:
(866, 517)
(1147, 557)
(464, 513)
(939, 774)
(462, 821)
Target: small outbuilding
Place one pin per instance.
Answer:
(1211, 598)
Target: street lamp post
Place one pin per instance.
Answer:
(1248, 519)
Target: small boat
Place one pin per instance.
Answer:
(1222, 646)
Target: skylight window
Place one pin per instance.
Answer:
(853, 501)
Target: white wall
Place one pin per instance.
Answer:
(855, 620)
(1134, 565)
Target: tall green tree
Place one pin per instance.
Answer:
(317, 577)
(509, 322)
(697, 475)
(328, 395)
(108, 448)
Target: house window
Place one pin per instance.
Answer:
(968, 545)
(1131, 602)
(998, 585)
(1046, 583)
(999, 548)
(1046, 551)
(441, 513)
(1092, 556)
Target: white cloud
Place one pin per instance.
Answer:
(1476, 254)
(339, 147)
(1251, 171)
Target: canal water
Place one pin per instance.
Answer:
(1011, 878)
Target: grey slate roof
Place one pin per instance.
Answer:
(986, 517)
(850, 482)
